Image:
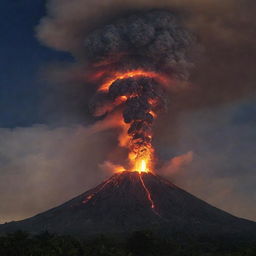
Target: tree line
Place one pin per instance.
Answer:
(141, 243)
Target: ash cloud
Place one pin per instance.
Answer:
(152, 40)
(155, 39)
(226, 31)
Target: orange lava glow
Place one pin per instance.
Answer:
(147, 193)
(133, 73)
(149, 197)
(141, 155)
(119, 169)
(91, 196)
(141, 159)
(153, 113)
(141, 151)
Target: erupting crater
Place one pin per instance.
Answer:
(116, 179)
(130, 201)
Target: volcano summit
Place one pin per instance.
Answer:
(131, 201)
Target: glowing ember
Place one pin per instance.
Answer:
(147, 192)
(142, 166)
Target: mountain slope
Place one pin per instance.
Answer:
(131, 201)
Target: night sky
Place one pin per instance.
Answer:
(22, 58)
(45, 161)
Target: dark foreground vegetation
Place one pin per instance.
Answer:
(137, 244)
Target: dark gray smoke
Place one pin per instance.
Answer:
(137, 108)
(156, 39)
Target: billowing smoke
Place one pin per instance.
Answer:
(130, 41)
(154, 39)
(138, 109)
(226, 30)
(144, 48)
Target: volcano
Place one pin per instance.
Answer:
(131, 201)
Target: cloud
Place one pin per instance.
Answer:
(110, 167)
(42, 166)
(223, 168)
(177, 163)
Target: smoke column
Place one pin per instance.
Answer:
(135, 59)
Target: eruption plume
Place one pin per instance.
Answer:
(135, 60)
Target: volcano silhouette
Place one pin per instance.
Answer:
(131, 201)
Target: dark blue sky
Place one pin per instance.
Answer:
(22, 57)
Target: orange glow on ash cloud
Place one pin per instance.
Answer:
(130, 74)
(135, 134)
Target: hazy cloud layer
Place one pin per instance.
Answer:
(222, 170)
(42, 167)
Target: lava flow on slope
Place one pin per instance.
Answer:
(116, 181)
(130, 201)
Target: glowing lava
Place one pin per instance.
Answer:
(142, 160)
(142, 166)
(147, 192)
(136, 179)
(91, 196)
